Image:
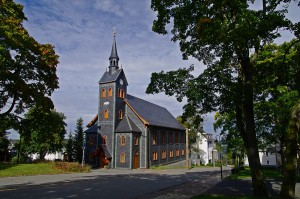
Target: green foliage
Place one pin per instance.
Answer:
(27, 68)
(70, 148)
(78, 140)
(217, 33)
(44, 131)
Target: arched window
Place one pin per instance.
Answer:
(104, 139)
(109, 92)
(103, 93)
(106, 114)
(154, 156)
(171, 154)
(122, 158)
(119, 92)
(136, 140)
(120, 114)
(122, 93)
(123, 140)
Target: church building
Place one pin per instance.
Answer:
(129, 132)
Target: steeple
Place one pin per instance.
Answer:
(113, 58)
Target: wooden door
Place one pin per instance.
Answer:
(136, 160)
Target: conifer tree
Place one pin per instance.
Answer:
(78, 140)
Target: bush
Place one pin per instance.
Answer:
(71, 167)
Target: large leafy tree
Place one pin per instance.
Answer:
(222, 34)
(78, 140)
(27, 68)
(43, 132)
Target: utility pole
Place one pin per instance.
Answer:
(187, 148)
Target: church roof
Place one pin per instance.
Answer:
(110, 77)
(152, 114)
(127, 125)
(92, 129)
(114, 53)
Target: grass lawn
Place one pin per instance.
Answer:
(46, 168)
(267, 172)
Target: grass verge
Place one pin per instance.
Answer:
(43, 168)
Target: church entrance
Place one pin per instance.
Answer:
(136, 160)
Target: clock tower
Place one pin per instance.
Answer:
(111, 105)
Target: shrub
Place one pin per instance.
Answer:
(71, 167)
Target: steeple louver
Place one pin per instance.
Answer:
(113, 58)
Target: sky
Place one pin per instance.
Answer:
(82, 33)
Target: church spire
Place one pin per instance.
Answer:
(113, 58)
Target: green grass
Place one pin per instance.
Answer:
(267, 172)
(47, 168)
(225, 197)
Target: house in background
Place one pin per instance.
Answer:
(129, 132)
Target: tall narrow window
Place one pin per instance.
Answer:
(176, 138)
(120, 114)
(103, 93)
(163, 138)
(122, 93)
(136, 140)
(177, 152)
(106, 114)
(170, 137)
(182, 152)
(123, 140)
(171, 154)
(163, 155)
(182, 137)
(154, 137)
(154, 156)
(104, 139)
(109, 92)
(122, 158)
(119, 92)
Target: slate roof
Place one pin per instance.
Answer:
(153, 114)
(110, 77)
(92, 129)
(127, 125)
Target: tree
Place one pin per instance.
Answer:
(4, 142)
(70, 148)
(289, 181)
(28, 68)
(217, 33)
(44, 131)
(78, 140)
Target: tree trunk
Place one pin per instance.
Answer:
(290, 167)
(249, 134)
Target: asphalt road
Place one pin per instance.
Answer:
(104, 183)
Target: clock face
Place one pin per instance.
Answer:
(121, 81)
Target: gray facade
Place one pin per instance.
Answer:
(129, 132)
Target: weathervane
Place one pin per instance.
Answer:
(114, 32)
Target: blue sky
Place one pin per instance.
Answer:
(81, 32)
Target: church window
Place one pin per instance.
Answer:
(109, 92)
(154, 156)
(177, 152)
(120, 114)
(123, 140)
(103, 93)
(122, 158)
(176, 138)
(163, 155)
(106, 114)
(182, 152)
(154, 137)
(171, 154)
(104, 139)
(136, 140)
(170, 137)
(182, 137)
(91, 139)
(121, 93)
(163, 138)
